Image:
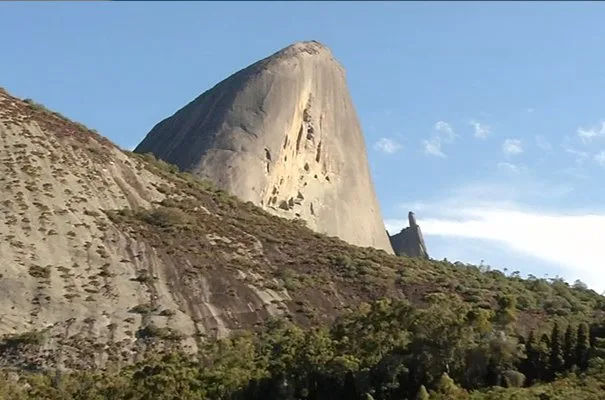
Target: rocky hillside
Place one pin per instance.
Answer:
(282, 133)
(108, 255)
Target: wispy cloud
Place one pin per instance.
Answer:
(388, 146)
(600, 158)
(432, 147)
(444, 133)
(512, 147)
(542, 143)
(529, 110)
(588, 134)
(446, 130)
(481, 131)
(520, 230)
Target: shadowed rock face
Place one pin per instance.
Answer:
(283, 134)
(409, 241)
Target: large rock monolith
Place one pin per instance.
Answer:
(282, 133)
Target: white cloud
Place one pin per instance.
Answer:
(387, 145)
(432, 147)
(512, 146)
(543, 143)
(529, 110)
(544, 236)
(587, 134)
(506, 166)
(444, 134)
(445, 129)
(568, 240)
(481, 131)
(600, 158)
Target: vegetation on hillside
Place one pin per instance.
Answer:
(408, 329)
(305, 260)
(384, 350)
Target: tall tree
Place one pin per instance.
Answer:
(556, 359)
(582, 346)
(569, 347)
(543, 358)
(531, 364)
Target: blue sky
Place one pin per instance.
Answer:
(485, 118)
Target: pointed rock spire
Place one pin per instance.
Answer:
(410, 241)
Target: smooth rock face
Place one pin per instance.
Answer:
(283, 134)
(409, 241)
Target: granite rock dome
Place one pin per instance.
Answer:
(282, 133)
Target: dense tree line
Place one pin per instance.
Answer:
(383, 351)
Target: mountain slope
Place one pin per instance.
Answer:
(64, 265)
(108, 256)
(282, 133)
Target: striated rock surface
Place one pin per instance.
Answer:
(68, 270)
(282, 133)
(409, 241)
(106, 256)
